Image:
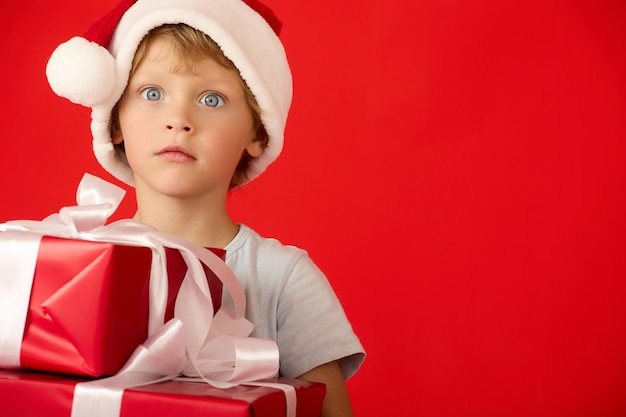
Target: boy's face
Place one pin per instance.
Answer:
(184, 132)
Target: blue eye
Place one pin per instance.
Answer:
(212, 100)
(152, 94)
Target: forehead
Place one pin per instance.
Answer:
(161, 48)
(189, 43)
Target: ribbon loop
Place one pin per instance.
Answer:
(85, 218)
(95, 191)
(236, 359)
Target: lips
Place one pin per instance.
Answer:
(176, 154)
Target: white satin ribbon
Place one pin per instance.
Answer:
(290, 394)
(16, 279)
(161, 357)
(216, 350)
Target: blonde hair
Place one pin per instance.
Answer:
(191, 45)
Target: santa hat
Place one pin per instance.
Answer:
(93, 70)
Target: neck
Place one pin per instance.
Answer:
(203, 221)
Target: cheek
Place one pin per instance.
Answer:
(134, 135)
(233, 133)
(134, 126)
(132, 154)
(246, 126)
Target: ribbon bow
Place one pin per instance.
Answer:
(215, 348)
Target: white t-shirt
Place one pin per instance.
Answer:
(289, 300)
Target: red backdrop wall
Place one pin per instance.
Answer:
(456, 168)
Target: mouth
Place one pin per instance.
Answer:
(176, 154)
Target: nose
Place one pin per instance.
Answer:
(179, 120)
(179, 124)
(176, 126)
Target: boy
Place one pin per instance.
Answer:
(189, 101)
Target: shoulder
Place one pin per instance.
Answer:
(249, 238)
(249, 249)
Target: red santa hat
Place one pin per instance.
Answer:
(93, 70)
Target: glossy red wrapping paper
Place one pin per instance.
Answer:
(88, 309)
(26, 394)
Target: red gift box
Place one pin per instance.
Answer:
(88, 308)
(53, 398)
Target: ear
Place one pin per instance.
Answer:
(254, 149)
(117, 137)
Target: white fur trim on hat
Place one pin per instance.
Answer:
(88, 74)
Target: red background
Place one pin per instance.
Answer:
(456, 168)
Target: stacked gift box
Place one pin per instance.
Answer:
(50, 395)
(96, 307)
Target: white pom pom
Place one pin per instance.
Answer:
(81, 71)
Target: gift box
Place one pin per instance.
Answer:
(35, 394)
(89, 304)
(80, 297)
